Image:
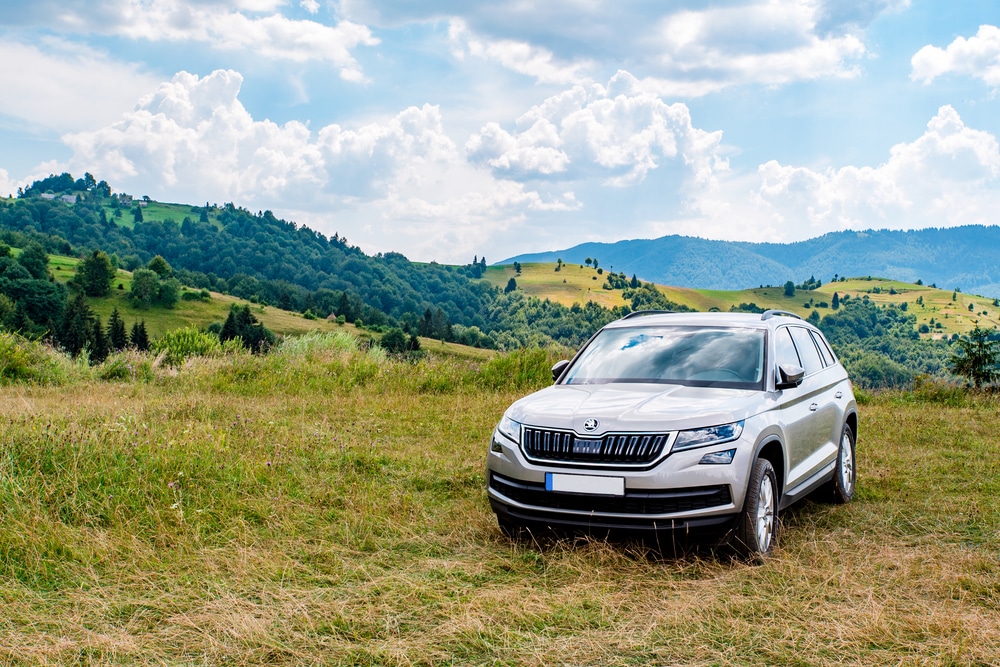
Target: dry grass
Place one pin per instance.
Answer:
(330, 510)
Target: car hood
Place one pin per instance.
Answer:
(636, 407)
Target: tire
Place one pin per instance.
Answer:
(841, 488)
(757, 531)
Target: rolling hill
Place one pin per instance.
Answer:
(967, 258)
(943, 311)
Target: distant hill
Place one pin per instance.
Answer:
(967, 258)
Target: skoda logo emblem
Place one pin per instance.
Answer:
(591, 424)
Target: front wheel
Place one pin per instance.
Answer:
(757, 532)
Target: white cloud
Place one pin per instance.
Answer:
(61, 86)
(977, 56)
(8, 186)
(685, 48)
(618, 133)
(518, 56)
(948, 176)
(399, 184)
(253, 26)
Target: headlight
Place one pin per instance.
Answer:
(712, 435)
(510, 428)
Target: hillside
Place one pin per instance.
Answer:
(966, 258)
(943, 311)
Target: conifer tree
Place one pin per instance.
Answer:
(139, 338)
(117, 336)
(76, 331)
(99, 343)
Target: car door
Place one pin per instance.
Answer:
(812, 444)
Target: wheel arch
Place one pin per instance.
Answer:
(773, 451)
(852, 421)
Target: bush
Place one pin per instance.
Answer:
(23, 360)
(181, 344)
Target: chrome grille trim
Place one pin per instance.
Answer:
(611, 449)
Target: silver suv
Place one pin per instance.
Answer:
(680, 422)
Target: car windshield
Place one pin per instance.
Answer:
(694, 356)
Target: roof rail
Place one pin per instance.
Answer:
(642, 313)
(768, 314)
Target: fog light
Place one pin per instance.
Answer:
(719, 458)
(495, 446)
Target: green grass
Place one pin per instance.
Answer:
(326, 506)
(574, 284)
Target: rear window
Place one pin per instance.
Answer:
(808, 353)
(694, 356)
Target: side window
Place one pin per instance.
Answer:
(784, 349)
(807, 350)
(824, 349)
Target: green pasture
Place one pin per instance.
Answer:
(324, 505)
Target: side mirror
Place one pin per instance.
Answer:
(789, 376)
(558, 369)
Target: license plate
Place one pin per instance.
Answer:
(593, 484)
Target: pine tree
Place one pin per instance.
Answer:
(99, 343)
(76, 332)
(139, 338)
(117, 336)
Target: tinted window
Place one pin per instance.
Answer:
(807, 350)
(697, 356)
(824, 349)
(784, 349)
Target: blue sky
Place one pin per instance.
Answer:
(445, 129)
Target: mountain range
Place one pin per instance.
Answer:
(964, 258)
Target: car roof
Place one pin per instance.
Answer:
(768, 320)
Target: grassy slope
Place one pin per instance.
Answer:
(202, 313)
(332, 511)
(541, 280)
(154, 210)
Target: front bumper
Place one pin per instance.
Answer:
(528, 503)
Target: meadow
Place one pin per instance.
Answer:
(326, 505)
(944, 311)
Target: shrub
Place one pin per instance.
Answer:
(181, 344)
(23, 360)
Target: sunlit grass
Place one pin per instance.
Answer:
(326, 505)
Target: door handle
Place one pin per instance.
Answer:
(839, 394)
(814, 407)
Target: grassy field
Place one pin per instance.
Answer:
(575, 284)
(326, 506)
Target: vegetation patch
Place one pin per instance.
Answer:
(322, 505)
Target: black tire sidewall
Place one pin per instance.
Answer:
(840, 494)
(747, 543)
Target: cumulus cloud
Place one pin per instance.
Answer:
(400, 184)
(977, 57)
(686, 48)
(61, 86)
(617, 132)
(8, 186)
(948, 176)
(237, 25)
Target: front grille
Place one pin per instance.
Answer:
(669, 501)
(562, 446)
